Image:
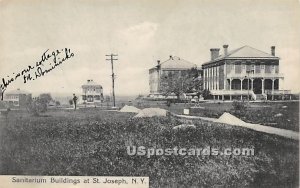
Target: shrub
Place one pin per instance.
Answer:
(239, 107)
(206, 94)
(36, 106)
(71, 102)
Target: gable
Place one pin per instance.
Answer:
(249, 52)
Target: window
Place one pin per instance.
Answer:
(97, 97)
(262, 66)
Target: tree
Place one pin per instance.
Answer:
(43, 100)
(57, 103)
(206, 94)
(71, 102)
(45, 97)
(180, 82)
(39, 104)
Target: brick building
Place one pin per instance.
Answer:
(242, 73)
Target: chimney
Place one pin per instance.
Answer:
(88, 81)
(171, 57)
(273, 50)
(214, 53)
(225, 47)
(158, 62)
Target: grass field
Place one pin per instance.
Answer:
(264, 113)
(93, 142)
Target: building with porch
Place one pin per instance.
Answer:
(92, 93)
(243, 73)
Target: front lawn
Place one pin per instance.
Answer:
(93, 142)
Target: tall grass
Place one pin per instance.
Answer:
(91, 142)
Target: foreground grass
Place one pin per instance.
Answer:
(93, 142)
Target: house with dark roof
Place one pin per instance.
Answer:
(16, 98)
(243, 73)
(159, 73)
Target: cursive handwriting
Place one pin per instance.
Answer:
(48, 62)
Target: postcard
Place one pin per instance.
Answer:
(140, 93)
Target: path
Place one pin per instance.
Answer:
(257, 127)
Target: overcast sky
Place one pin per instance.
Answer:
(140, 32)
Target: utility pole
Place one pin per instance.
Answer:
(112, 59)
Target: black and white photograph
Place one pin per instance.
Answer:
(149, 93)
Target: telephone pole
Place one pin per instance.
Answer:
(112, 59)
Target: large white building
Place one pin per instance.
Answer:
(16, 98)
(242, 73)
(92, 93)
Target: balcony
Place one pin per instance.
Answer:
(278, 92)
(255, 75)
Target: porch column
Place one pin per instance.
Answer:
(204, 79)
(209, 78)
(225, 77)
(252, 84)
(213, 78)
(262, 85)
(273, 89)
(230, 80)
(282, 86)
(217, 78)
(241, 79)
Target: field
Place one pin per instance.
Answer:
(93, 142)
(265, 113)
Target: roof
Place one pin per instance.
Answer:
(246, 52)
(16, 92)
(176, 63)
(91, 83)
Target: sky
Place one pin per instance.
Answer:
(140, 32)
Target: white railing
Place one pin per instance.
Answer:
(254, 75)
(232, 92)
(268, 91)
